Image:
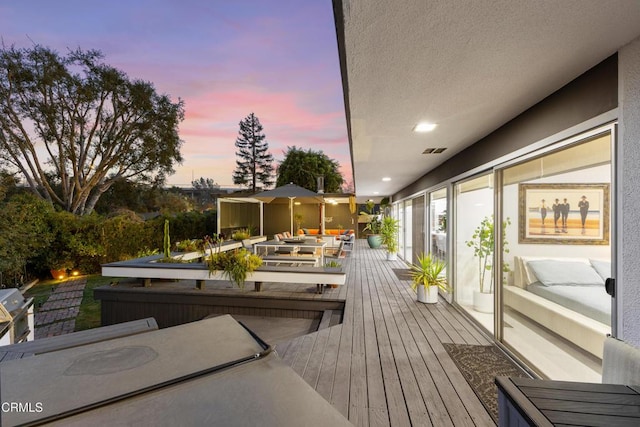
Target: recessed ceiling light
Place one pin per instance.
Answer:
(376, 192)
(386, 178)
(424, 127)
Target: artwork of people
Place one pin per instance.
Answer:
(583, 204)
(556, 214)
(580, 213)
(564, 211)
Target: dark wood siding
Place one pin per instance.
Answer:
(176, 306)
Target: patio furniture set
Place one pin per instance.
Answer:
(296, 261)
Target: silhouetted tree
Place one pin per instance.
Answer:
(204, 184)
(72, 125)
(254, 164)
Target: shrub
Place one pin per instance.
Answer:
(24, 235)
(126, 235)
(190, 245)
(235, 264)
(241, 234)
(35, 237)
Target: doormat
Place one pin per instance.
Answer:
(480, 365)
(402, 273)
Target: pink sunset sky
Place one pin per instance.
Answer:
(225, 59)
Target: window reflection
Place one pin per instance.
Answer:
(438, 224)
(556, 310)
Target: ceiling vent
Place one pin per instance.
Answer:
(433, 150)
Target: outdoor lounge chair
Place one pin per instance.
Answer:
(348, 243)
(335, 252)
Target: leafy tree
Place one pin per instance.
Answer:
(127, 195)
(254, 164)
(8, 184)
(72, 125)
(204, 184)
(204, 193)
(24, 232)
(172, 201)
(303, 167)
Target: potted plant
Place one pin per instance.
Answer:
(483, 242)
(389, 233)
(373, 225)
(298, 218)
(236, 264)
(426, 278)
(58, 260)
(59, 268)
(442, 222)
(241, 234)
(189, 245)
(333, 265)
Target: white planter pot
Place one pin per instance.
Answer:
(483, 302)
(430, 297)
(392, 256)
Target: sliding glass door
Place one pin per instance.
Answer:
(474, 245)
(438, 224)
(558, 251)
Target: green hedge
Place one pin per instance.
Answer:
(34, 236)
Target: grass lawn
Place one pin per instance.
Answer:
(40, 292)
(89, 316)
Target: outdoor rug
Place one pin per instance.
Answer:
(480, 364)
(402, 273)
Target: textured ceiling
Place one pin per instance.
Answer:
(469, 66)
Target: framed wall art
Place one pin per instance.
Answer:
(573, 214)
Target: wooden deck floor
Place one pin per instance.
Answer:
(385, 364)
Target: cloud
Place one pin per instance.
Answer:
(212, 122)
(276, 58)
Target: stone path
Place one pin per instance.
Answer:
(57, 316)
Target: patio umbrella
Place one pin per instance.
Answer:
(291, 192)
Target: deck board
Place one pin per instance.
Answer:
(312, 371)
(377, 404)
(326, 376)
(386, 363)
(439, 377)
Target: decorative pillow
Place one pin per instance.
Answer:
(526, 273)
(550, 272)
(305, 231)
(602, 267)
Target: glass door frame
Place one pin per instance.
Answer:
(575, 139)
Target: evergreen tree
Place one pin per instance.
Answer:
(254, 165)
